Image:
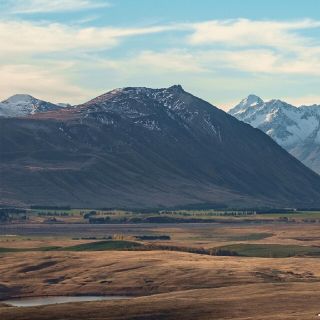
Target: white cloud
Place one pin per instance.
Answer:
(251, 46)
(21, 37)
(45, 6)
(170, 61)
(265, 47)
(274, 47)
(173, 60)
(210, 55)
(243, 32)
(254, 61)
(265, 61)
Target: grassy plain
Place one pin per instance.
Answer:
(276, 274)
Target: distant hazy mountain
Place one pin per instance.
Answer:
(141, 147)
(22, 104)
(295, 129)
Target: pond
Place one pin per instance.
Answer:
(40, 301)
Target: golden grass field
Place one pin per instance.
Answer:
(166, 284)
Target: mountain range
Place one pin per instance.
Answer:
(138, 147)
(297, 129)
(21, 105)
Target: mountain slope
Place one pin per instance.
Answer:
(140, 147)
(22, 104)
(295, 129)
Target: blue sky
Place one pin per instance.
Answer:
(73, 50)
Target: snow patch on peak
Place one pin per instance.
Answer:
(251, 101)
(297, 129)
(19, 98)
(280, 104)
(20, 105)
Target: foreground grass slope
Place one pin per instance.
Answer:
(264, 302)
(172, 285)
(141, 272)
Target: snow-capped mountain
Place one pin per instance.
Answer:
(250, 102)
(20, 105)
(297, 129)
(143, 106)
(141, 147)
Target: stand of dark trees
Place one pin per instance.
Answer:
(152, 237)
(50, 207)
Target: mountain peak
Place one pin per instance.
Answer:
(176, 88)
(297, 129)
(19, 98)
(20, 105)
(250, 101)
(137, 93)
(278, 102)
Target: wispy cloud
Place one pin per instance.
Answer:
(180, 61)
(250, 61)
(264, 61)
(235, 42)
(201, 54)
(271, 47)
(21, 37)
(244, 32)
(45, 6)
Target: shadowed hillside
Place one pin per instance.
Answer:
(140, 147)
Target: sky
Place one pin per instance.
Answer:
(73, 50)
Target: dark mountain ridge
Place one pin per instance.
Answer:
(141, 147)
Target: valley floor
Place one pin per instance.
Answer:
(166, 284)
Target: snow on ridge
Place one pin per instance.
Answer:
(20, 105)
(251, 101)
(19, 98)
(142, 105)
(300, 123)
(297, 129)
